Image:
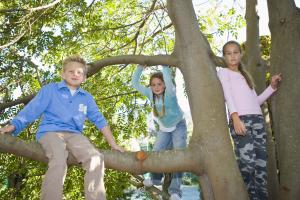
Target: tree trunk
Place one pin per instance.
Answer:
(285, 33)
(257, 69)
(210, 134)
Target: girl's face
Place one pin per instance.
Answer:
(157, 86)
(232, 56)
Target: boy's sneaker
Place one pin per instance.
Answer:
(148, 182)
(175, 196)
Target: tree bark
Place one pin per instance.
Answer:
(257, 68)
(285, 33)
(210, 134)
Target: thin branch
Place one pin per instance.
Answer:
(112, 28)
(118, 95)
(24, 100)
(31, 9)
(30, 24)
(135, 37)
(28, 60)
(159, 31)
(13, 10)
(45, 7)
(13, 41)
(219, 61)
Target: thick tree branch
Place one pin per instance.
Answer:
(218, 61)
(280, 11)
(252, 56)
(32, 150)
(98, 65)
(127, 59)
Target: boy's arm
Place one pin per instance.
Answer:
(32, 110)
(110, 138)
(95, 116)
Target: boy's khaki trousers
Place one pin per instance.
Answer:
(57, 146)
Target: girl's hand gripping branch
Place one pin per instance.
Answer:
(275, 80)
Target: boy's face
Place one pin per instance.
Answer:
(73, 74)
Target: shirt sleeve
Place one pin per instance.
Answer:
(170, 87)
(94, 115)
(32, 110)
(265, 94)
(227, 90)
(135, 82)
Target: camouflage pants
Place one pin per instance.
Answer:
(251, 155)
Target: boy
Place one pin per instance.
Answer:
(64, 107)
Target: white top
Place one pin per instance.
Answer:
(72, 91)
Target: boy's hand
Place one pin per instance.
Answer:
(275, 81)
(118, 148)
(7, 129)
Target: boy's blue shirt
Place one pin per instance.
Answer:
(61, 112)
(173, 112)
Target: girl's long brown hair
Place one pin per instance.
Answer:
(160, 76)
(244, 72)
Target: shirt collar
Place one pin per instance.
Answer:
(63, 84)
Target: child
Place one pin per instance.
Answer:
(169, 117)
(64, 106)
(246, 120)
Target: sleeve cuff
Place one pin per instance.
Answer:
(17, 130)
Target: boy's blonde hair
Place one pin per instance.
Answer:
(75, 58)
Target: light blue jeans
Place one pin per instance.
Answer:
(166, 141)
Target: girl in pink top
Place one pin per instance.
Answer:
(246, 121)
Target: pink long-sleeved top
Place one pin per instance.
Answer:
(238, 96)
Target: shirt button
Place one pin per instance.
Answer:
(70, 101)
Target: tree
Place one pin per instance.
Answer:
(192, 54)
(285, 44)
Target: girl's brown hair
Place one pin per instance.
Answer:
(160, 76)
(244, 73)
